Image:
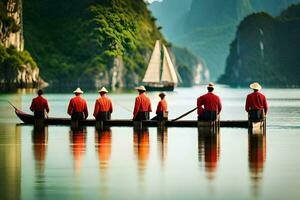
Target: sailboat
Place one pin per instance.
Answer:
(160, 74)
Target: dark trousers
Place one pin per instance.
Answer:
(142, 116)
(256, 115)
(208, 116)
(103, 116)
(39, 115)
(77, 116)
(161, 116)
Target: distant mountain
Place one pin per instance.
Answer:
(204, 13)
(169, 12)
(274, 7)
(209, 26)
(266, 49)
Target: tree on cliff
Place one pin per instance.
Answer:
(79, 41)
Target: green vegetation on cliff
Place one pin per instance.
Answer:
(12, 62)
(266, 50)
(83, 41)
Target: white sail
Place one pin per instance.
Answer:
(153, 71)
(168, 72)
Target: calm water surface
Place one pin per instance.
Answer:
(174, 163)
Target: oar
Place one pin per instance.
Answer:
(185, 114)
(12, 105)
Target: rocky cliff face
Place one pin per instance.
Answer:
(14, 8)
(266, 50)
(27, 74)
(29, 77)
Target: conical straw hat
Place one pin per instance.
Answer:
(103, 89)
(78, 91)
(255, 86)
(141, 88)
(211, 85)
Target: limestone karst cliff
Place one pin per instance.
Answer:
(17, 67)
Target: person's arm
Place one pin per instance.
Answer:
(149, 107)
(158, 108)
(32, 107)
(219, 105)
(136, 107)
(265, 105)
(96, 109)
(247, 104)
(70, 107)
(47, 106)
(111, 107)
(199, 106)
(86, 112)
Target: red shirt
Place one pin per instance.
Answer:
(39, 104)
(103, 104)
(142, 104)
(256, 101)
(78, 104)
(208, 102)
(162, 106)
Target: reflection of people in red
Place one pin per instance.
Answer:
(40, 140)
(162, 142)
(209, 151)
(141, 147)
(257, 155)
(77, 140)
(103, 146)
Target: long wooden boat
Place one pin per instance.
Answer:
(29, 119)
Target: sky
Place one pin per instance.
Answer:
(150, 1)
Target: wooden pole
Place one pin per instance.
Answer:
(185, 114)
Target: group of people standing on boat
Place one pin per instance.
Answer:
(209, 105)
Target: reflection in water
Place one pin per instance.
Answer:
(78, 145)
(103, 146)
(257, 156)
(141, 148)
(209, 150)
(103, 141)
(162, 143)
(10, 162)
(40, 141)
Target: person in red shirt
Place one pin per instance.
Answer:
(77, 106)
(209, 105)
(39, 105)
(142, 105)
(103, 106)
(256, 103)
(162, 107)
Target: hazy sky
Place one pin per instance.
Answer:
(153, 0)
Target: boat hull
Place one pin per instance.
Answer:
(159, 87)
(29, 119)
